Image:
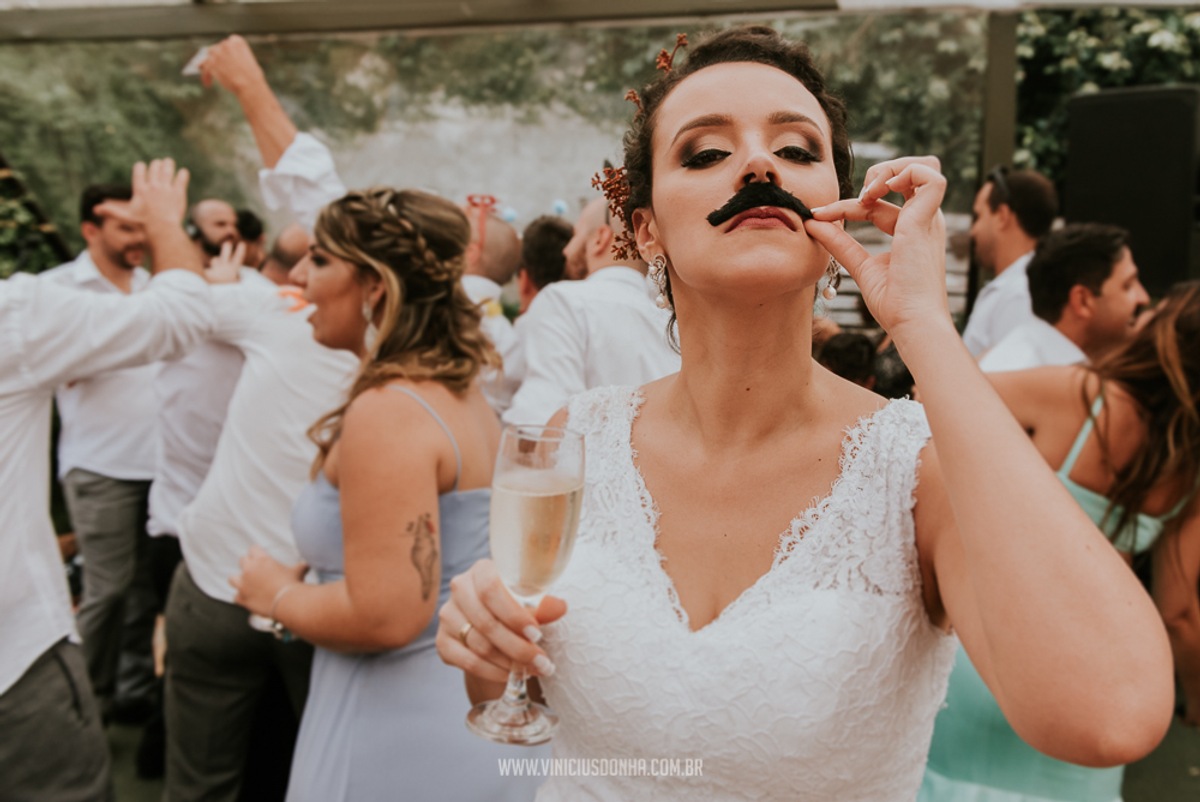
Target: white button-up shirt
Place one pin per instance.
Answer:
(50, 335)
(193, 394)
(577, 335)
(1000, 307)
(108, 418)
(1032, 345)
(302, 181)
(264, 454)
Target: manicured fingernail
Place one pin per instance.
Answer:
(817, 209)
(532, 633)
(544, 667)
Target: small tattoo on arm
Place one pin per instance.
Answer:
(424, 551)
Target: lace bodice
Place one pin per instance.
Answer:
(820, 682)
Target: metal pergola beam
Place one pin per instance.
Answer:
(310, 16)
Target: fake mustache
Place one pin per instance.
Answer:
(755, 195)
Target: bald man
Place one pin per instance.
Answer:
(289, 248)
(492, 259)
(212, 223)
(603, 330)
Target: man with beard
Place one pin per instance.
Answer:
(602, 330)
(211, 224)
(105, 463)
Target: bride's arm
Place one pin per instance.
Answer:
(1056, 624)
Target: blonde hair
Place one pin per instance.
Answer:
(414, 243)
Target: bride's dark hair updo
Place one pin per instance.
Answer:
(753, 43)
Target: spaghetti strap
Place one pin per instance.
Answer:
(1183, 502)
(1082, 437)
(442, 423)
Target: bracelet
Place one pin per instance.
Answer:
(277, 628)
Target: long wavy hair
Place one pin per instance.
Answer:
(1160, 370)
(414, 242)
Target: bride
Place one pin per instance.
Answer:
(772, 560)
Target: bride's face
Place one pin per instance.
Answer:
(723, 127)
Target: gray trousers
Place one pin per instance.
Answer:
(117, 612)
(52, 745)
(217, 670)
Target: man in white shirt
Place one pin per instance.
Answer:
(542, 259)
(105, 464)
(52, 745)
(1013, 209)
(601, 331)
(1086, 296)
(212, 223)
(219, 666)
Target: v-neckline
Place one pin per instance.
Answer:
(804, 521)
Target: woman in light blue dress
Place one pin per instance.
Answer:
(398, 505)
(1130, 431)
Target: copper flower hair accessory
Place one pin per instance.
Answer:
(665, 60)
(613, 182)
(615, 186)
(632, 97)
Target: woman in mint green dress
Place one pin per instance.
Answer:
(1125, 434)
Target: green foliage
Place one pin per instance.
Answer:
(83, 113)
(912, 82)
(27, 243)
(23, 247)
(1064, 53)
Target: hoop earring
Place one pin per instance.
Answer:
(833, 275)
(658, 274)
(372, 333)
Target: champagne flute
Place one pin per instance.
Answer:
(537, 490)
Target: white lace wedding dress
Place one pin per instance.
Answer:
(820, 682)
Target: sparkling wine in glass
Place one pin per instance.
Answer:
(537, 490)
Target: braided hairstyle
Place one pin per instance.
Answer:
(414, 242)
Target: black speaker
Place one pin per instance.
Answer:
(1133, 160)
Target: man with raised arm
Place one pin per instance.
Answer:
(299, 174)
(52, 745)
(105, 464)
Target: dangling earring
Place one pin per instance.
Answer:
(833, 275)
(372, 330)
(658, 274)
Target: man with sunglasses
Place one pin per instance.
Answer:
(1013, 209)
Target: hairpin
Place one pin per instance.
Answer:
(632, 97)
(613, 182)
(665, 60)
